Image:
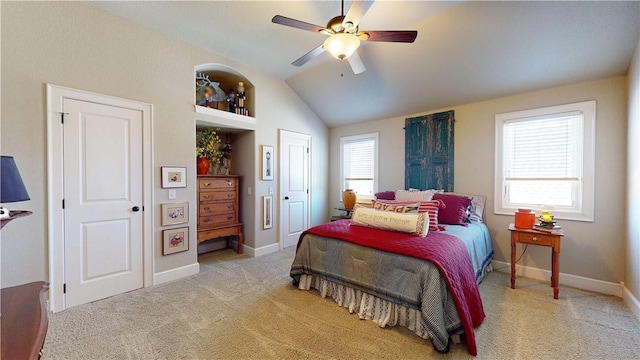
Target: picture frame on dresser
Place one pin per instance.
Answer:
(174, 177)
(175, 213)
(267, 212)
(267, 168)
(175, 240)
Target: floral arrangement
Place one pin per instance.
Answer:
(208, 145)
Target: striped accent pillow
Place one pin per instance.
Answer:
(432, 207)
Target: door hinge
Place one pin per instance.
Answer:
(63, 204)
(307, 191)
(307, 150)
(62, 114)
(143, 208)
(64, 288)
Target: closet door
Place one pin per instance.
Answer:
(429, 151)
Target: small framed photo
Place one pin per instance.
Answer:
(174, 177)
(175, 240)
(175, 213)
(267, 162)
(267, 212)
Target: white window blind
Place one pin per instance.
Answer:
(545, 159)
(359, 163)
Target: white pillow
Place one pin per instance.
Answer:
(412, 195)
(415, 224)
(476, 208)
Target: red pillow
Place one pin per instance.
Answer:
(455, 211)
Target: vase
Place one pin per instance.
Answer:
(349, 199)
(203, 166)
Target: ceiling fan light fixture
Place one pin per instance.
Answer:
(341, 45)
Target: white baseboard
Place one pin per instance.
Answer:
(631, 301)
(175, 274)
(603, 287)
(261, 251)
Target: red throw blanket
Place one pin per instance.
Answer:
(446, 252)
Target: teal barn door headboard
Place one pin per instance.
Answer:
(429, 151)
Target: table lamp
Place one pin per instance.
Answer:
(11, 188)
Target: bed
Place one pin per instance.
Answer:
(428, 285)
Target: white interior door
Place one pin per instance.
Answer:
(294, 177)
(103, 221)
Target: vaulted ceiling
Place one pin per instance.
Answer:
(465, 51)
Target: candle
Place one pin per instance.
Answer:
(546, 216)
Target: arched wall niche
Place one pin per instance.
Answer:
(228, 78)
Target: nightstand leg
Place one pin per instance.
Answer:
(555, 272)
(513, 262)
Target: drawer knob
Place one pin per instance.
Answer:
(206, 184)
(206, 196)
(229, 217)
(229, 207)
(207, 208)
(229, 195)
(535, 238)
(205, 220)
(229, 183)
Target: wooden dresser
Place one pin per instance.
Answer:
(24, 320)
(218, 200)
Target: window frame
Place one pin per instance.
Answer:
(584, 209)
(355, 138)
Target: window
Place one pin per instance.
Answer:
(359, 164)
(545, 159)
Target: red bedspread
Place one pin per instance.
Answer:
(445, 251)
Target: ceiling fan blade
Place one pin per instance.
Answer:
(405, 36)
(283, 20)
(355, 13)
(356, 63)
(308, 56)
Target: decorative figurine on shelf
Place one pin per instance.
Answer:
(241, 95)
(231, 100)
(206, 88)
(226, 157)
(208, 97)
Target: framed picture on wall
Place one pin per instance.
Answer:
(175, 240)
(267, 162)
(267, 212)
(175, 213)
(174, 177)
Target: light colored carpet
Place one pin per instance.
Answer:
(246, 308)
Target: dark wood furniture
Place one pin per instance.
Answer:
(218, 205)
(24, 320)
(535, 237)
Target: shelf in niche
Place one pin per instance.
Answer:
(213, 117)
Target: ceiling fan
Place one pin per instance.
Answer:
(345, 36)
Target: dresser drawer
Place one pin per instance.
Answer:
(217, 195)
(217, 208)
(217, 220)
(204, 184)
(534, 238)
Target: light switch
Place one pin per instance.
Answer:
(172, 194)
(270, 190)
(249, 190)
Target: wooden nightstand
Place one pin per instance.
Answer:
(534, 237)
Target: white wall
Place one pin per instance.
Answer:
(592, 250)
(78, 45)
(632, 244)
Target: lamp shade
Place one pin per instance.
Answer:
(341, 45)
(11, 186)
